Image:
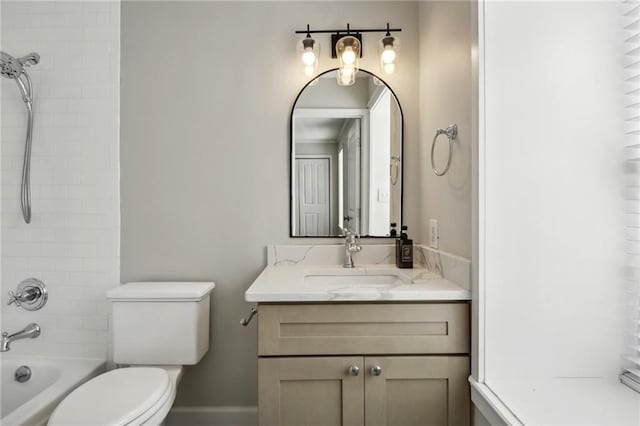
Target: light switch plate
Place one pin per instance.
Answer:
(434, 235)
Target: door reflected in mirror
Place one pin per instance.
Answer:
(346, 152)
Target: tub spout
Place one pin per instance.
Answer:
(32, 331)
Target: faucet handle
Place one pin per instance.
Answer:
(14, 298)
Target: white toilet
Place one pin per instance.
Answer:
(157, 328)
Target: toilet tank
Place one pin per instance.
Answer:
(160, 323)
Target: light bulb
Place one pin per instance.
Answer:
(347, 71)
(348, 56)
(308, 57)
(388, 55)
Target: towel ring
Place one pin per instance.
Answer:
(452, 133)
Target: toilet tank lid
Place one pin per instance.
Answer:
(161, 291)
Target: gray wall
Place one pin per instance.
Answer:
(446, 98)
(206, 93)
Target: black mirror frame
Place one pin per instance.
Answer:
(291, 155)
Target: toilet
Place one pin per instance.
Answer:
(157, 327)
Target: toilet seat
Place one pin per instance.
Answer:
(125, 396)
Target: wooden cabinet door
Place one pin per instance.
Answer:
(310, 391)
(417, 390)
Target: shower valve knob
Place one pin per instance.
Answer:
(31, 295)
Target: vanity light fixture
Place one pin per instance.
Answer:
(388, 49)
(346, 46)
(309, 50)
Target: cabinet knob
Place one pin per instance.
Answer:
(376, 370)
(354, 370)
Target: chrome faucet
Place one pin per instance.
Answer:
(350, 246)
(32, 331)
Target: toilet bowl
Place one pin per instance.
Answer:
(126, 396)
(157, 328)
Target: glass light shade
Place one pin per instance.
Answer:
(348, 53)
(346, 75)
(309, 52)
(388, 49)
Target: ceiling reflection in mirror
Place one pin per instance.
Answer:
(346, 152)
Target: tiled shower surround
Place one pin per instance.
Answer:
(72, 243)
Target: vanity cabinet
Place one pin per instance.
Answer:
(310, 391)
(363, 364)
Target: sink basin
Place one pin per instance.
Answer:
(382, 280)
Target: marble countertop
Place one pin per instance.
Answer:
(328, 283)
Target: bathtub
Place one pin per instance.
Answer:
(32, 402)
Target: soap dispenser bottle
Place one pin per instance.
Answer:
(404, 249)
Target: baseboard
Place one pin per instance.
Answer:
(214, 416)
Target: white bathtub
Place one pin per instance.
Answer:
(31, 403)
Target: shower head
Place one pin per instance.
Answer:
(14, 68)
(11, 67)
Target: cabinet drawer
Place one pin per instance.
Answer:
(344, 329)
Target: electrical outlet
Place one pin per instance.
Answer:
(434, 234)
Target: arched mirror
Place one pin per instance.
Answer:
(346, 158)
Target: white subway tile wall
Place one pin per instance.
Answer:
(73, 241)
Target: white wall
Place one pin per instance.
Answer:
(72, 243)
(207, 90)
(446, 84)
(552, 195)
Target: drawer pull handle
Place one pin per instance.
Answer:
(354, 370)
(376, 370)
